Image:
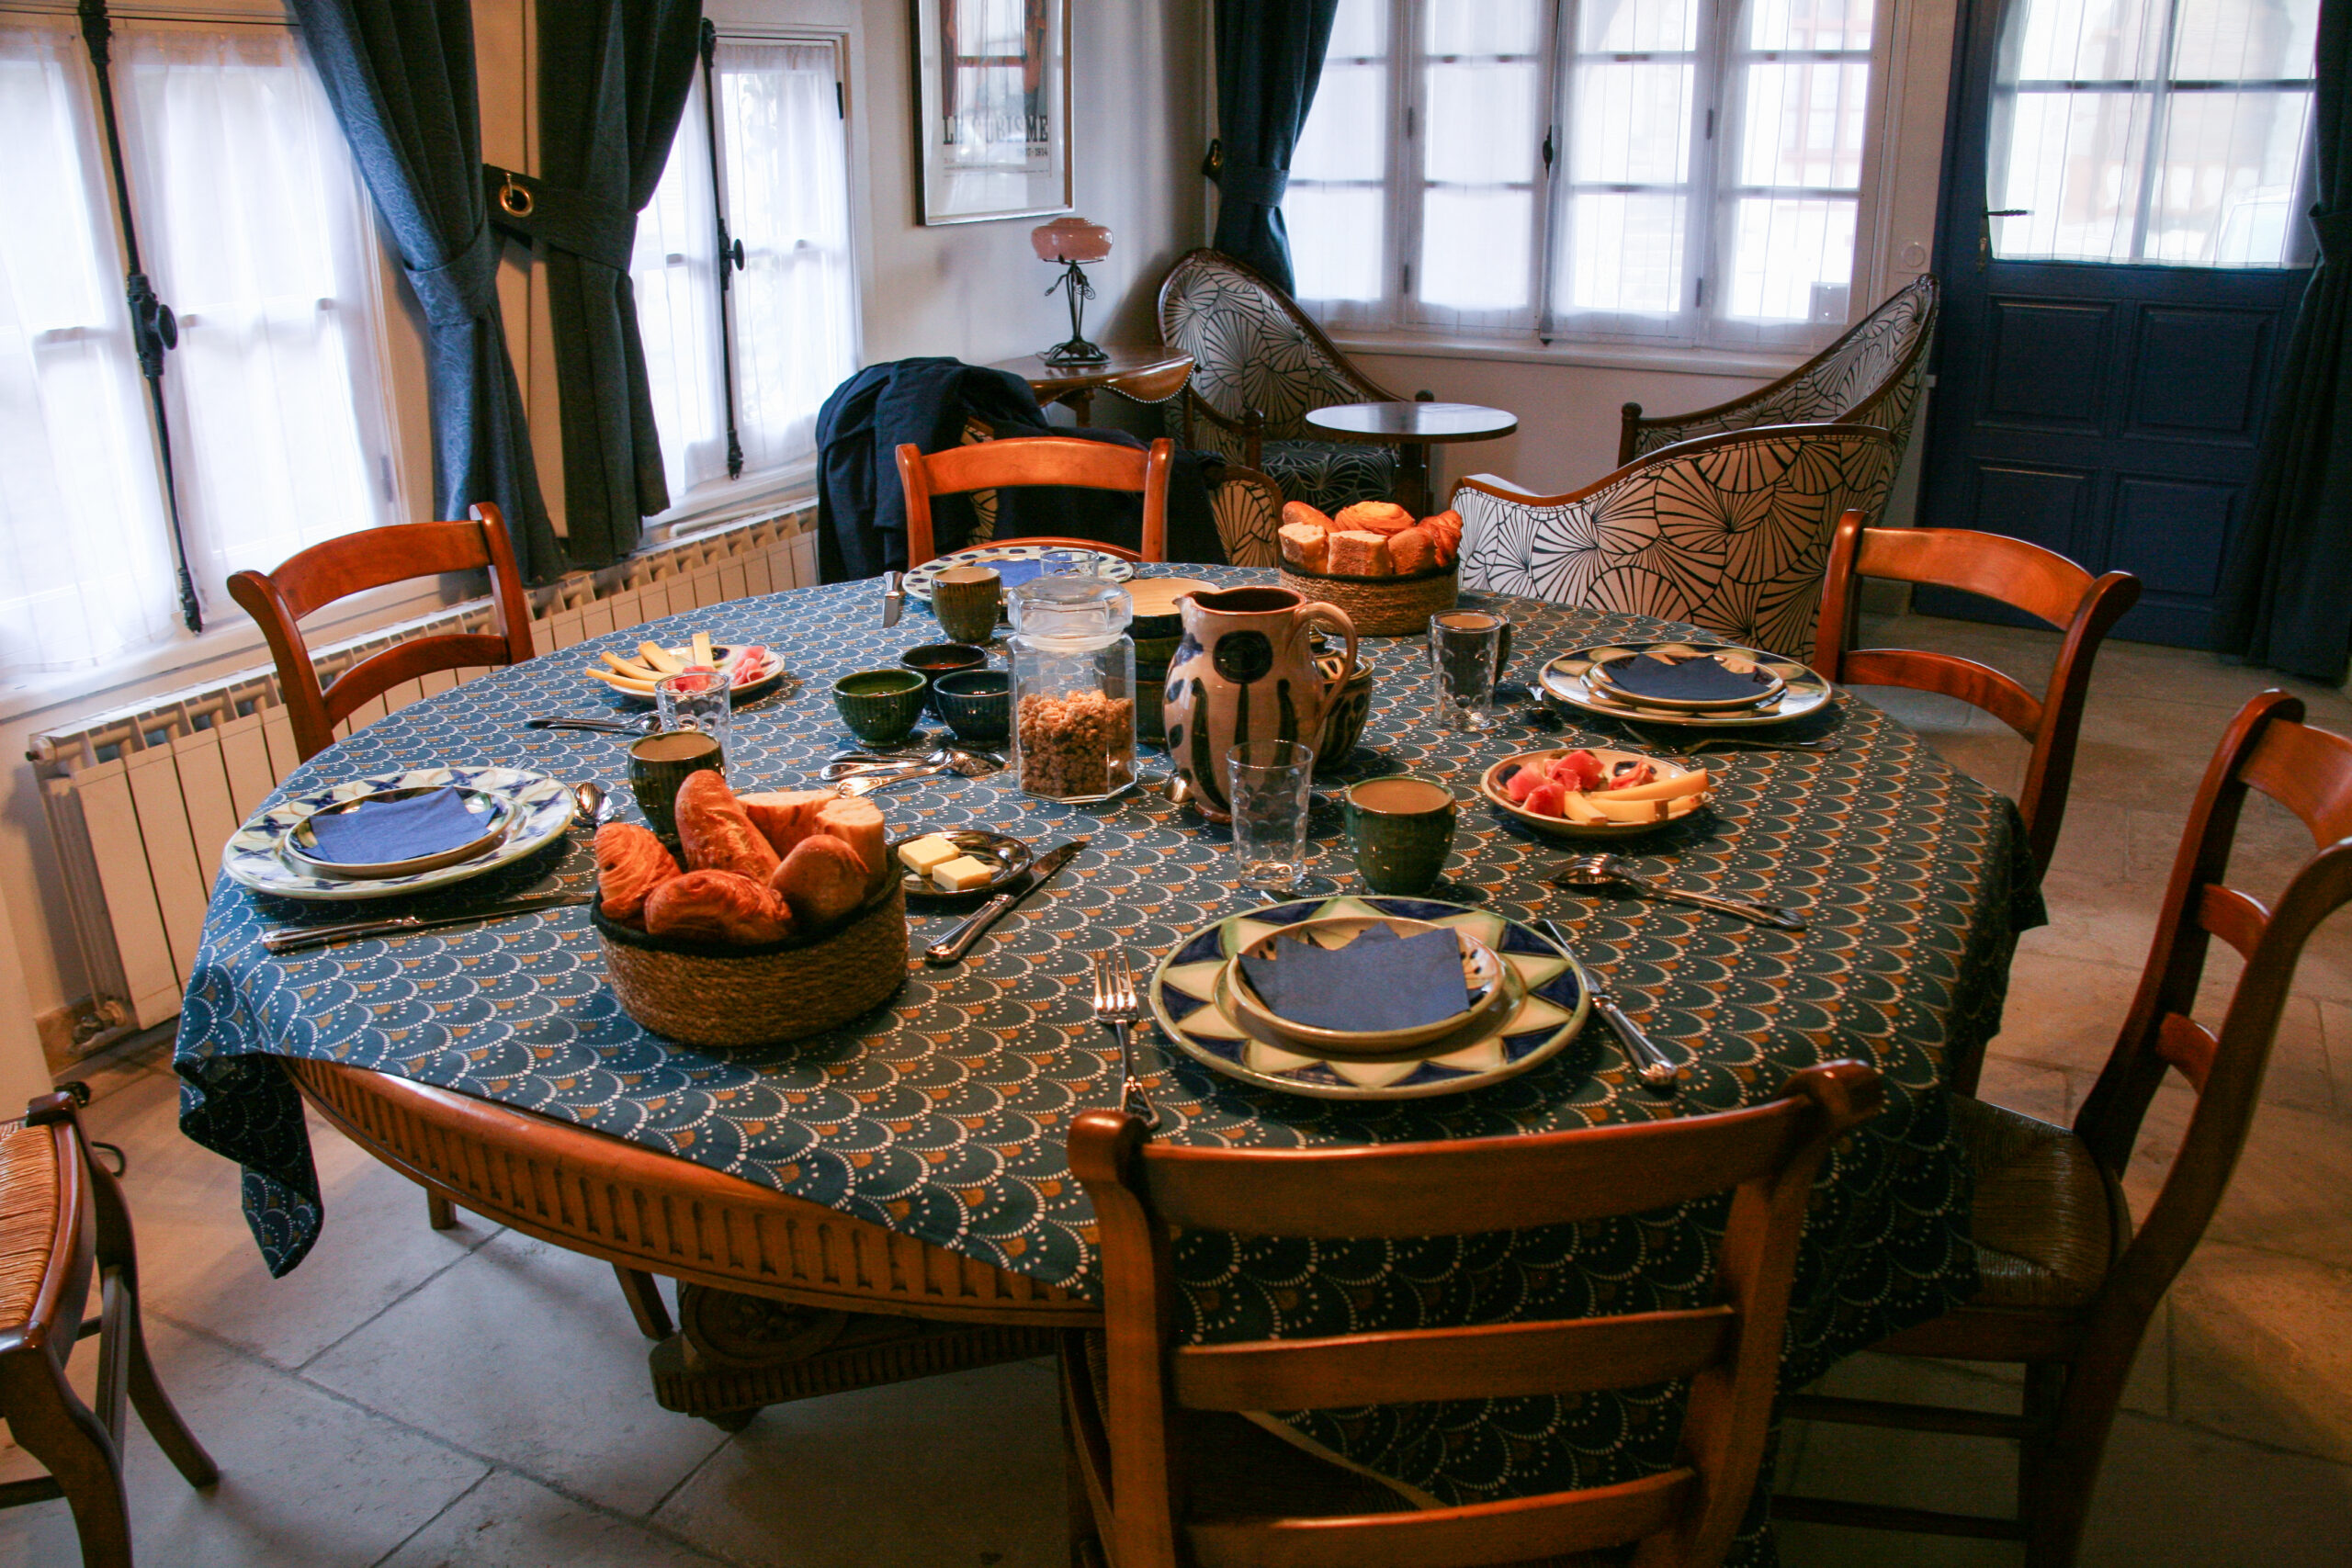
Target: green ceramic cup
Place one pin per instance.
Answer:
(968, 602)
(880, 706)
(658, 763)
(1402, 829)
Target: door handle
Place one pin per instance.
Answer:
(2009, 212)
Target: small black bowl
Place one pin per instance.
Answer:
(937, 659)
(977, 705)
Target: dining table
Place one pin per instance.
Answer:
(912, 1166)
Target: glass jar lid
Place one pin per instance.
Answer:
(1066, 610)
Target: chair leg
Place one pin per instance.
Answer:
(645, 1304)
(51, 1423)
(2059, 1504)
(117, 1260)
(440, 1211)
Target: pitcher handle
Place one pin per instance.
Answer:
(1316, 610)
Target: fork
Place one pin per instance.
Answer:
(1117, 1008)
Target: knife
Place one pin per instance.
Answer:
(957, 942)
(1655, 1068)
(894, 597)
(301, 938)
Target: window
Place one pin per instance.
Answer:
(2152, 130)
(784, 332)
(1675, 171)
(253, 229)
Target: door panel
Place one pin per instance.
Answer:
(2109, 412)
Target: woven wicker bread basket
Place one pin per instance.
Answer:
(703, 994)
(1382, 606)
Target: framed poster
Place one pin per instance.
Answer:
(992, 108)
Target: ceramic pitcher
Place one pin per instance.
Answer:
(1246, 670)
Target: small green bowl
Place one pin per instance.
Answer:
(880, 706)
(976, 704)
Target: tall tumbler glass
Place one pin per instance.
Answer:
(703, 700)
(1466, 650)
(1271, 784)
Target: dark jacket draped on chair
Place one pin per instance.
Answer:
(2287, 599)
(1268, 59)
(400, 75)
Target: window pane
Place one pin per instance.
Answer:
(673, 274)
(1624, 254)
(1631, 124)
(2088, 40)
(1804, 125)
(2227, 40)
(788, 201)
(1476, 247)
(2073, 168)
(2225, 179)
(1481, 122)
(1360, 27)
(1482, 27)
(1346, 135)
(1809, 24)
(1620, 27)
(1792, 259)
(1335, 240)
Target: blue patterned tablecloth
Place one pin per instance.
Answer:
(943, 1116)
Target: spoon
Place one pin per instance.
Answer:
(971, 765)
(866, 784)
(1603, 871)
(590, 798)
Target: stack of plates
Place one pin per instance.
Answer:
(516, 811)
(1685, 684)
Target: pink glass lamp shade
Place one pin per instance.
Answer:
(1066, 242)
(1070, 240)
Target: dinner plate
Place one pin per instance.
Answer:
(1056, 559)
(490, 816)
(1007, 853)
(1490, 786)
(539, 807)
(1748, 681)
(1570, 678)
(1548, 1004)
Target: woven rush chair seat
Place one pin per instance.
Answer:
(28, 1219)
(2048, 1222)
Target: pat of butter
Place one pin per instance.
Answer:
(924, 855)
(963, 873)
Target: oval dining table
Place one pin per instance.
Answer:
(894, 1198)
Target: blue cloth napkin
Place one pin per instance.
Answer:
(381, 833)
(1379, 981)
(1702, 679)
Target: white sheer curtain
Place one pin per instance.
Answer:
(86, 569)
(1484, 96)
(1336, 207)
(674, 274)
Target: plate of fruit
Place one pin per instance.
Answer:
(755, 668)
(1594, 793)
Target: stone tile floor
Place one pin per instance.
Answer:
(419, 1398)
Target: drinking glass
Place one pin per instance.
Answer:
(703, 700)
(1271, 782)
(1465, 650)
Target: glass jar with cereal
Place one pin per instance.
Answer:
(1073, 688)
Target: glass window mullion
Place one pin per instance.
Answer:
(2159, 113)
(1703, 284)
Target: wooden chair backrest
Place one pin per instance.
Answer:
(370, 559)
(2024, 576)
(1730, 1348)
(2266, 748)
(1038, 460)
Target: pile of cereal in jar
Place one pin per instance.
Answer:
(1067, 743)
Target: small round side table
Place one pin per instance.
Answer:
(1414, 428)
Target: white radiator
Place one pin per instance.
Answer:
(141, 799)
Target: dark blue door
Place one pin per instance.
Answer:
(2121, 248)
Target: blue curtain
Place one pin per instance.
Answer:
(400, 75)
(2287, 599)
(1269, 57)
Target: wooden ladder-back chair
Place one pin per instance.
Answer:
(62, 1219)
(370, 559)
(2023, 576)
(1146, 1432)
(1038, 460)
(2068, 1286)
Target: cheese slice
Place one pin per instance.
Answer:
(1674, 788)
(622, 682)
(1618, 810)
(962, 874)
(659, 659)
(1577, 807)
(924, 855)
(702, 649)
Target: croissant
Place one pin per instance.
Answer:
(630, 863)
(716, 906)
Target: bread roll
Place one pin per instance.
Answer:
(1298, 512)
(717, 905)
(630, 863)
(823, 880)
(1412, 550)
(1305, 546)
(858, 824)
(716, 832)
(1359, 554)
(1448, 522)
(785, 816)
(1374, 517)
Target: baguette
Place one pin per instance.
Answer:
(1360, 554)
(1300, 513)
(1305, 546)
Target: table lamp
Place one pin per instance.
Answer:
(1070, 241)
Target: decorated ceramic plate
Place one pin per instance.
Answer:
(1545, 1008)
(1711, 682)
(1570, 678)
(537, 807)
(1495, 786)
(1482, 978)
(1050, 557)
(489, 813)
(755, 668)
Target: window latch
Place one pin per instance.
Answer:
(1547, 149)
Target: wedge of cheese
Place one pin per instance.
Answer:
(1674, 788)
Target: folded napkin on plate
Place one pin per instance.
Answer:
(1013, 573)
(1702, 679)
(1379, 981)
(382, 832)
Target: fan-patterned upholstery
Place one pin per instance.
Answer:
(1731, 533)
(1253, 349)
(1871, 375)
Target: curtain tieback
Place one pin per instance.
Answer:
(1255, 183)
(463, 288)
(2334, 231)
(562, 218)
